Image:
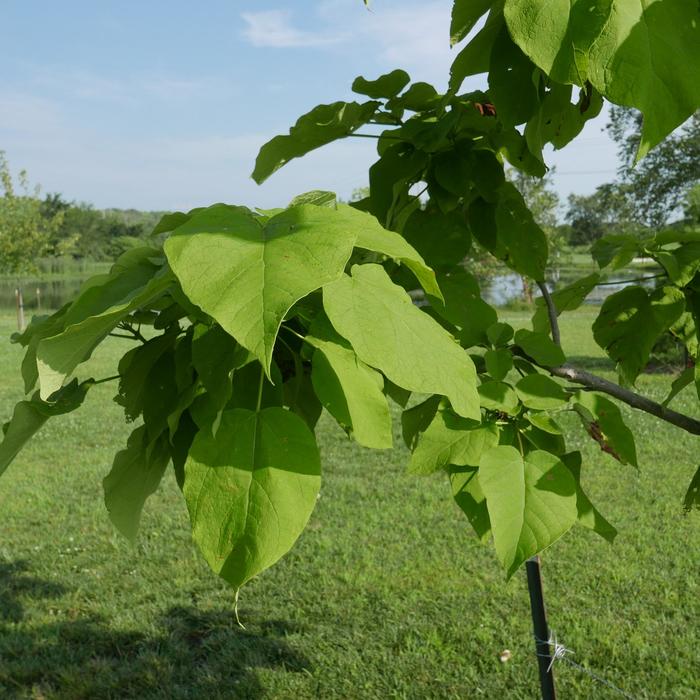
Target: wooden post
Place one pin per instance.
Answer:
(20, 309)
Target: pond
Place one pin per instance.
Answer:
(42, 295)
(505, 288)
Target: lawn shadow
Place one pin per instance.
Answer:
(188, 653)
(16, 584)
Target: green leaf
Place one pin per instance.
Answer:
(250, 490)
(415, 420)
(498, 363)
(451, 439)
(692, 496)
(134, 368)
(499, 396)
(630, 322)
(134, 282)
(557, 120)
(372, 236)
(389, 333)
(247, 274)
(603, 422)
(588, 514)
(531, 502)
(464, 308)
(136, 474)
(616, 250)
(511, 83)
(349, 390)
(524, 241)
(540, 347)
(300, 396)
(320, 198)
(679, 383)
(623, 49)
(469, 496)
(322, 125)
(28, 416)
(543, 439)
(215, 354)
(465, 15)
(543, 421)
(565, 299)
(474, 58)
(499, 334)
(540, 392)
(384, 87)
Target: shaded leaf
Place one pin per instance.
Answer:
(250, 490)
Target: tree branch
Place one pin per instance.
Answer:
(551, 312)
(592, 381)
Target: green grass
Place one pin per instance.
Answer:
(387, 594)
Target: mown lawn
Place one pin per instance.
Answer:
(388, 594)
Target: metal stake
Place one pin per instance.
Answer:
(541, 628)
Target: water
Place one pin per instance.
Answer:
(508, 287)
(51, 294)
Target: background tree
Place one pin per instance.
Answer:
(26, 233)
(658, 184)
(608, 210)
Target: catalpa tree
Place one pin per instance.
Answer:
(247, 323)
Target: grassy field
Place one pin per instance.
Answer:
(388, 594)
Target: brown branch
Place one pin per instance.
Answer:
(551, 312)
(592, 381)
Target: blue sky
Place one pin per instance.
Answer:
(163, 105)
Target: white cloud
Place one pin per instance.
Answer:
(274, 29)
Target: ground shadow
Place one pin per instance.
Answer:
(16, 584)
(187, 654)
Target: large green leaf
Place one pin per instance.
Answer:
(372, 236)
(531, 502)
(451, 439)
(388, 332)
(135, 281)
(323, 124)
(136, 473)
(630, 322)
(30, 415)
(247, 274)
(349, 390)
(637, 54)
(250, 490)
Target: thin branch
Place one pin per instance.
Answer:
(639, 279)
(642, 403)
(592, 381)
(122, 335)
(551, 312)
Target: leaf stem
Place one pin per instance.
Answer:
(639, 279)
(260, 389)
(107, 379)
(551, 312)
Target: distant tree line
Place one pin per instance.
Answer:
(33, 227)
